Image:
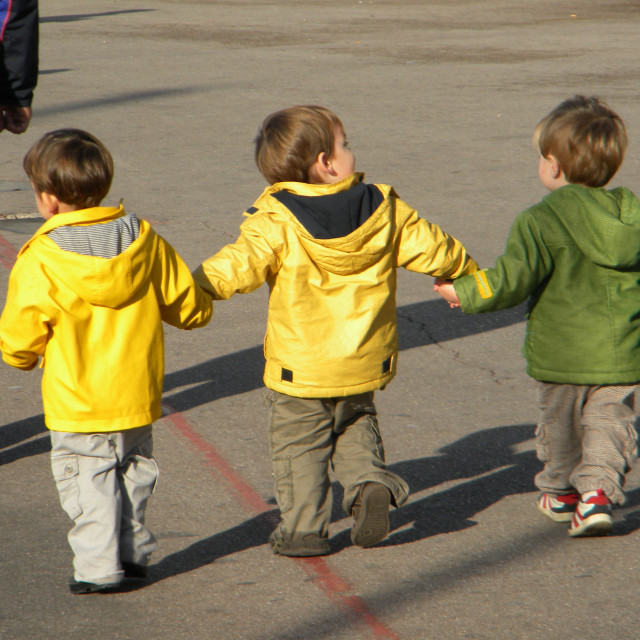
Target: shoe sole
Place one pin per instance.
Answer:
(302, 553)
(598, 524)
(84, 588)
(373, 525)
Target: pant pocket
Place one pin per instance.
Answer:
(630, 448)
(281, 470)
(65, 473)
(142, 473)
(542, 444)
(141, 469)
(376, 437)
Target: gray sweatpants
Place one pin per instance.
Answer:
(308, 435)
(586, 437)
(104, 481)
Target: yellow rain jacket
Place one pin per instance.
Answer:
(331, 328)
(97, 324)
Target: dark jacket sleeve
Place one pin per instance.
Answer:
(19, 52)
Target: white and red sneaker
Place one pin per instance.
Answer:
(558, 507)
(592, 516)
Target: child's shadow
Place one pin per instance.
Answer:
(252, 533)
(630, 521)
(484, 468)
(483, 454)
(493, 470)
(17, 439)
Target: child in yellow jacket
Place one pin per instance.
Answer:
(329, 246)
(88, 295)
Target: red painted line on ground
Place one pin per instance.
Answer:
(329, 582)
(8, 253)
(247, 497)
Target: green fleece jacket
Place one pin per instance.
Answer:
(576, 256)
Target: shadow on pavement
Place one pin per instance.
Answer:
(484, 454)
(88, 16)
(17, 432)
(252, 533)
(491, 467)
(488, 454)
(419, 324)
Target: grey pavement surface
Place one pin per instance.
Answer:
(438, 98)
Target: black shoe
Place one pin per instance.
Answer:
(133, 570)
(78, 588)
(371, 514)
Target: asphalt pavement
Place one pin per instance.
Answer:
(439, 99)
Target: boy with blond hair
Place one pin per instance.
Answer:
(576, 257)
(329, 246)
(88, 295)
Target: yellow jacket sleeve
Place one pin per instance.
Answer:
(240, 267)
(24, 325)
(183, 303)
(424, 247)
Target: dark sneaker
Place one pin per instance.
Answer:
(298, 546)
(371, 514)
(592, 517)
(78, 588)
(558, 507)
(133, 570)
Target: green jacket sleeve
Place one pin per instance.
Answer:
(525, 264)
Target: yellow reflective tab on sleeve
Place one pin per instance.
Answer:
(483, 284)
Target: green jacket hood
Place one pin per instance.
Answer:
(604, 224)
(112, 282)
(358, 250)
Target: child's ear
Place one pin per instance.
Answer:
(321, 170)
(556, 169)
(51, 203)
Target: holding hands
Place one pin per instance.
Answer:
(446, 290)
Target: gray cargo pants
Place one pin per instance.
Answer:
(104, 481)
(586, 437)
(310, 434)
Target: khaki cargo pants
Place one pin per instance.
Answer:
(586, 437)
(310, 435)
(104, 481)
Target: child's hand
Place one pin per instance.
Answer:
(446, 290)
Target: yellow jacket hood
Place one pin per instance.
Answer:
(359, 249)
(111, 282)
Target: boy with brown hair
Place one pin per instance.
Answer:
(576, 256)
(88, 295)
(329, 246)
